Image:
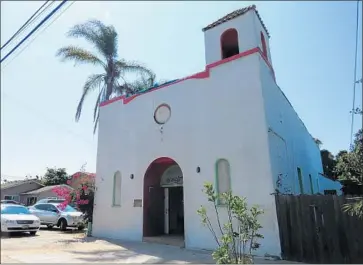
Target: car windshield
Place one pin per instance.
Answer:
(55, 201)
(67, 208)
(51, 201)
(14, 210)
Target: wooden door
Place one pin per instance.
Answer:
(155, 213)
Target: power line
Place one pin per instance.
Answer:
(25, 25)
(33, 20)
(40, 32)
(35, 29)
(40, 113)
(355, 73)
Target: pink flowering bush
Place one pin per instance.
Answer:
(81, 195)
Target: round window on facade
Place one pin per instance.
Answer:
(162, 114)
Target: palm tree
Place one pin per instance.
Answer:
(111, 81)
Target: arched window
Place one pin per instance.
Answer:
(264, 48)
(229, 43)
(116, 198)
(223, 178)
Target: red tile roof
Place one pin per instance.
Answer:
(235, 14)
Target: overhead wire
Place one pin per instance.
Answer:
(23, 104)
(27, 23)
(26, 106)
(34, 30)
(39, 33)
(355, 74)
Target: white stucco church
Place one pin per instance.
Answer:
(230, 125)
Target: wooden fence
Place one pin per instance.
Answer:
(314, 229)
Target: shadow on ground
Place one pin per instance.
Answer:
(68, 231)
(137, 252)
(16, 235)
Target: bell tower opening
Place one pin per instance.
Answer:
(237, 32)
(229, 43)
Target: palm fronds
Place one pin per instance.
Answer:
(78, 55)
(93, 81)
(102, 37)
(354, 208)
(112, 82)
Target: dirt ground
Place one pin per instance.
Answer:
(54, 246)
(73, 247)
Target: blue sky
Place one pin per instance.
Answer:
(312, 46)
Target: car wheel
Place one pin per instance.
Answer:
(49, 226)
(81, 227)
(63, 225)
(5, 234)
(33, 233)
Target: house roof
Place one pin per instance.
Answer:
(16, 183)
(46, 188)
(235, 14)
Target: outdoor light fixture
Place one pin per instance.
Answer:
(132, 176)
(198, 169)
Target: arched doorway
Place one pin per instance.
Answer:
(163, 211)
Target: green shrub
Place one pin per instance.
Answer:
(237, 238)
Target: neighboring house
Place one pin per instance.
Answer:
(33, 196)
(230, 124)
(12, 190)
(327, 186)
(27, 191)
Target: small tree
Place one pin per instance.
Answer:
(55, 176)
(350, 168)
(82, 194)
(238, 237)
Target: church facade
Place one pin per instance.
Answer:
(229, 124)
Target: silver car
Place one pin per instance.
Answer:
(51, 214)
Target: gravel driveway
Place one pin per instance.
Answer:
(73, 247)
(54, 246)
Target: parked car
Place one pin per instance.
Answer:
(17, 218)
(52, 200)
(52, 214)
(10, 202)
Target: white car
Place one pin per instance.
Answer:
(17, 218)
(51, 214)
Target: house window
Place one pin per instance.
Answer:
(229, 43)
(264, 48)
(12, 197)
(31, 200)
(311, 184)
(299, 175)
(223, 178)
(116, 199)
(330, 192)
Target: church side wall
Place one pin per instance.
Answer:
(289, 137)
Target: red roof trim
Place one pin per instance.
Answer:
(200, 75)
